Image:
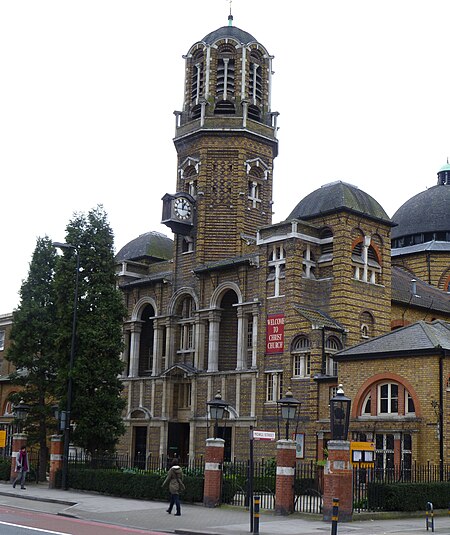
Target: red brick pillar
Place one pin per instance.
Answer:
(284, 492)
(56, 458)
(19, 440)
(212, 490)
(338, 481)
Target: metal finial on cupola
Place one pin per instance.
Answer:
(230, 16)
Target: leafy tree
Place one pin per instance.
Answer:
(32, 349)
(96, 402)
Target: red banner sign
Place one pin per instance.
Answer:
(275, 333)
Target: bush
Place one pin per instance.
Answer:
(5, 468)
(408, 496)
(147, 486)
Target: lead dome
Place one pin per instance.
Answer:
(425, 217)
(337, 196)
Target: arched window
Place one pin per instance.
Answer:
(366, 324)
(228, 330)
(186, 330)
(197, 81)
(366, 266)
(256, 77)
(255, 179)
(277, 264)
(225, 72)
(326, 244)
(387, 398)
(301, 357)
(146, 342)
(332, 345)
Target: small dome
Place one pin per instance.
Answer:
(338, 196)
(227, 32)
(149, 246)
(426, 212)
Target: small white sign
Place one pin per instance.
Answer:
(263, 435)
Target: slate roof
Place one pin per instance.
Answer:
(318, 318)
(435, 246)
(227, 263)
(156, 277)
(226, 32)
(426, 296)
(149, 245)
(419, 337)
(428, 211)
(338, 196)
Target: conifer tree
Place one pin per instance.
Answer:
(32, 349)
(96, 402)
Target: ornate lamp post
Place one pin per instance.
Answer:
(339, 415)
(65, 466)
(20, 412)
(217, 408)
(288, 409)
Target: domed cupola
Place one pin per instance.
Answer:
(335, 197)
(425, 218)
(228, 74)
(150, 247)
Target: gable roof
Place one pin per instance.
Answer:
(419, 337)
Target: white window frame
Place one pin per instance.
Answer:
(2, 340)
(254, 192)
(389, 399)
(309, 264)
(364, 269)
(277, 265)
(301, 357)
(274, 386)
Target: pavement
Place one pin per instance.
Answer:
(199, 520)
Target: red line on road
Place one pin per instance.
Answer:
(38, 520)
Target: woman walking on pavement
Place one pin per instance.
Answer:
(22, 467)
(175, 480)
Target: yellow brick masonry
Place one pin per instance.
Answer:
(422, 373)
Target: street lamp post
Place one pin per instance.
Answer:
(65, 466)
(289, 407)
(20, 412)
(217, 408)
(339, 415)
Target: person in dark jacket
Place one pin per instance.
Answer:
(175, 481)
(22, 467)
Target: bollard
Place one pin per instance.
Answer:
(256, 502)
(335, 516)
(430, 516)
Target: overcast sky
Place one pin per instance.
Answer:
(88, 89)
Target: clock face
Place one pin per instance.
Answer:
(182, 208)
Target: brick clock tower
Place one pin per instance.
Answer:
(226, 143)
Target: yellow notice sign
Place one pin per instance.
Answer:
(362, 454)
(2, 439)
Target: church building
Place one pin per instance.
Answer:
(238, 305)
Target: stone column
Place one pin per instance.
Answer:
(134, 349)
(284, 493)
(19, 440)
(56, 458)
(213, 345)
(212, 490)
(338, 481)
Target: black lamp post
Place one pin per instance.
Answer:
(339, 415)
(288, 408)
(217, 408)
(65, 466)
(20, 412)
